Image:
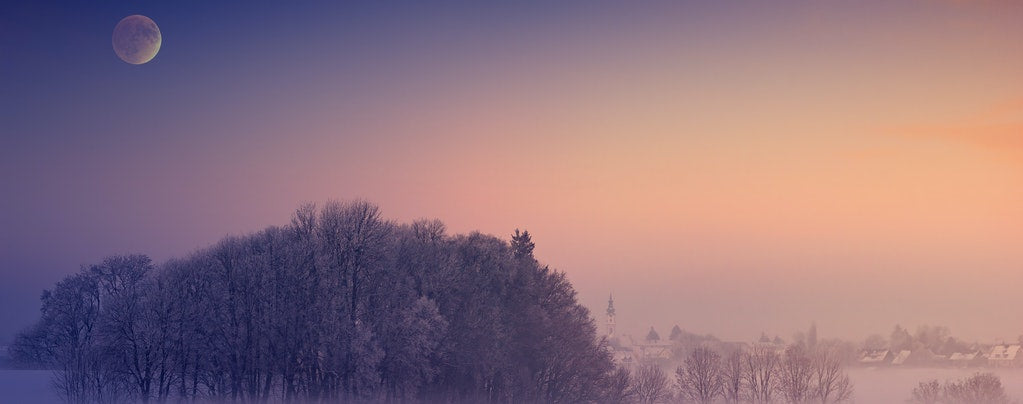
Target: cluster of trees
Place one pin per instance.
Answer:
(981, 388)
(936, 339)
(339, 305)
(798, 375)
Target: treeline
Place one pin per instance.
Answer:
(338, 305)
(981, 388)
(763, 374)
(936, 339)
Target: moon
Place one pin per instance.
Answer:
(137, 39)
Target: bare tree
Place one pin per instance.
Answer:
(761, 367)
(732, 374)
(650, 385)
(700, 378)
(981, 388)
(617, 389)
(795, 375)
(830, 382)
(928, 392)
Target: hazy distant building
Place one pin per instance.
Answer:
(875, 357)
(967, 359)
(628, 352)
(1005, 356)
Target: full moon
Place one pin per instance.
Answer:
(137, 39)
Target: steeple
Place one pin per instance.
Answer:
(610, 316)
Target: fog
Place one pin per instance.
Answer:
(873, 386)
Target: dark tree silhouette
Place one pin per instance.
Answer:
(676, 333)
(652, 335)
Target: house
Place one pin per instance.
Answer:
(655, 351)
(918, 357)
(1005, 356)
(624, 357)
(967, 359)
(876, 357)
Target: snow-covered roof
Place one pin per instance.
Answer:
(1004, 352)
(874, 356)
(959, 356)
(901, 357)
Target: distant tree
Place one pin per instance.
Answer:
(522, 244)
(778, 341)
(932, 337)
(676, 333)
(764, 339)
(650, 385)
(875, 342)
(732, 374)
(953, 345)
(700, 379)
(761, 367)
(981, 388)
(928, 392)
(811, 336)
(900, 339)
(829, 382)
(652, 336)
(799, 338)
(795, 375)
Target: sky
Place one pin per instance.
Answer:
(731, 167)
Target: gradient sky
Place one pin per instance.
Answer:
(732, 167)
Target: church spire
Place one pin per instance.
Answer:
(610, 305)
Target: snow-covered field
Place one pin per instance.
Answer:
(885, 385)
(873, 386)
(26, 386)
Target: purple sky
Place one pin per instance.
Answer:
(730, 167)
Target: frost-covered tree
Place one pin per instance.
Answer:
(700, 378)
(795, 375)
(733, 385)
(338, 305)
(830, 383)
(760, 373)
(650, 385)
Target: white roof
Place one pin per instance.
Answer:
(1004, 352)
(874, 356)
(901, 357)
(958, 356)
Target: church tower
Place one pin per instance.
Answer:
(610, 316)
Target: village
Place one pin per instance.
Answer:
(631, 352)
(996, 356)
